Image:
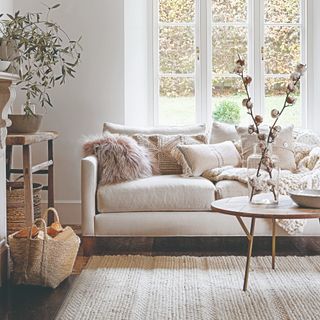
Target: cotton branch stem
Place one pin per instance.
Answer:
(266, 149)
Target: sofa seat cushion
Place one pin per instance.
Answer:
(157, 193)
(230, 188)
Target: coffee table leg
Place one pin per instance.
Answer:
(250, 245)
(273, 243)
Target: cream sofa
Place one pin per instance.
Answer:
(166, 205)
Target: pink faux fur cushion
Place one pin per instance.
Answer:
(120, 158)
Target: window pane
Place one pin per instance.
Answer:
(282, 49)
(228, 94)
(177, 52)
(282, 11)
(227, 43)
(229, 10)
(176, 10)
(177, 103)
(275, 95)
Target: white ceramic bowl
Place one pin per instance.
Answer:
(4, 65)
(306, 198)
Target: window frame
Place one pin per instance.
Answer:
(304, 57)
(156, 62)
(204, 72)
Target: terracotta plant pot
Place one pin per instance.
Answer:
(24, 124)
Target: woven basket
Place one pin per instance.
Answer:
(44, 261)
(16, 219)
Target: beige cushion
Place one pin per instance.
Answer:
(157, 193)
(128, 130)
(195, 159)
(230, 188)
(282, 147)
(162, 145)
(221, 132)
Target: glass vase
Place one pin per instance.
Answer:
(263, 177)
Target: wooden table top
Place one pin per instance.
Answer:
(25, 139)
(286, 209)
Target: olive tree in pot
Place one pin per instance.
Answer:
(46, 56)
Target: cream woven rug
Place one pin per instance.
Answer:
(141, 287)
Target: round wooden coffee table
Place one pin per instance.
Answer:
(240, 207)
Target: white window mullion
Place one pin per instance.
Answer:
(304, 56)
(198, 62)
(258, 45)
(204, 68)
(156, 69)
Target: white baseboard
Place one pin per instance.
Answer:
(69, 211)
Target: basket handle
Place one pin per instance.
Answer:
(44, 227)
(55, 212)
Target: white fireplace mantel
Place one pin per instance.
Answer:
(7, 96)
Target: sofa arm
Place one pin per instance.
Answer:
(89, 180)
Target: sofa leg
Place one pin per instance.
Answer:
(89, 245)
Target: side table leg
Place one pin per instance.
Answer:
(250, 245)
(50, 181)
(273, 243)
(8, 161)
(28, 190)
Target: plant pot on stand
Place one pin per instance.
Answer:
(44, 56)
(22, 123)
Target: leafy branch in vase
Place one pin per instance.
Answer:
(266, 139)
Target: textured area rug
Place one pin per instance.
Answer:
(142, 287)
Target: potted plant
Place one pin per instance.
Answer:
(45, 56)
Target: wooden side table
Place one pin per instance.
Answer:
(26, 140)
(240, 207)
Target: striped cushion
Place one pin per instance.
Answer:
(162, 145)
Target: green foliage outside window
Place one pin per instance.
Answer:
(227, 111)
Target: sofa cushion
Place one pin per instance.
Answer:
(157, 193)
(230, 188)
(128, 130)
(160, 146)
(221, 132)
(195, 159)
(120, 158)
(282, 146)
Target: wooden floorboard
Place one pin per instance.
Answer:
(26, 302)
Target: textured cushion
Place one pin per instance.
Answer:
(230, 188)
(221, 132)
(128, 130)
(157, 193)
(162, 145)
(195, 159)
(283, 146)
(120, 158)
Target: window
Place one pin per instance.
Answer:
(230, 37)
(176, 61)
(283, 47)
(196, 43)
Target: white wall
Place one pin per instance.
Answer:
(313, 57)
(6, 6)
(96, 95)
(138, 61)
